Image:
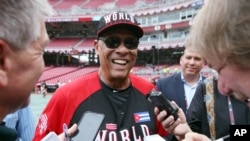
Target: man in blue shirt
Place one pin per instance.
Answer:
(23, 122)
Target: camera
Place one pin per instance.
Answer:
(159, 101)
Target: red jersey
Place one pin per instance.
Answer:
(131, 113)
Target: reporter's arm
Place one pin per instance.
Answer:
(62, 136)
(192, 136)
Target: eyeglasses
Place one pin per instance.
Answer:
(114, 42)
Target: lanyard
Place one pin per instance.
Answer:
(230, 108)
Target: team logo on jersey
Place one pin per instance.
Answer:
(141, 117)
(43, 120)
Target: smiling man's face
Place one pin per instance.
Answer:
(116, 63)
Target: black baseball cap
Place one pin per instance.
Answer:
(119, 20)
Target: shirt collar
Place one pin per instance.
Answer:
(198, 82)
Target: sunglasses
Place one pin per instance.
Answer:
(114, 42)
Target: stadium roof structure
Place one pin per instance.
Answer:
(152, 11)
(71, 19)
(83, 16)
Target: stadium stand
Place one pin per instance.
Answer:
(65, 78)
(86, 45)
(94, 4)
(62, 44)
(68, 4)
(125, 3)
(54, 2)
(56, 72)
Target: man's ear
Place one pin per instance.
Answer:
(96, 47)
(180, 61)
(4, 63)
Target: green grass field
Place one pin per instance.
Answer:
(38, 103)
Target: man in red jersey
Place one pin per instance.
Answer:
(113, 91)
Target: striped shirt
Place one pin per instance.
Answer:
(23, 122)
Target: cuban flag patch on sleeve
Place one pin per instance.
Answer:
(141, 117)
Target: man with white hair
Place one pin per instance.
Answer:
(23, 38)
